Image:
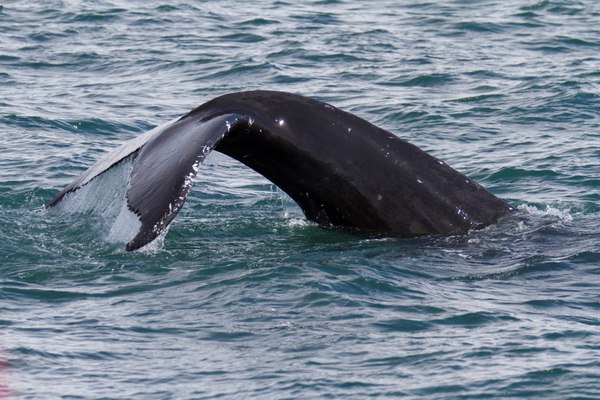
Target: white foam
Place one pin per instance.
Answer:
(551, 211)
(296, 222)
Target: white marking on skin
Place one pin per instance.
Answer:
(187, 182)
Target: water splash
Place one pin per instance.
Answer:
(550, 211)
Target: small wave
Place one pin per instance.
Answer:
(520, 173)
(245, 37)
(537, 6)
(479, 27)
(89, 126)
(478, 98)
(109, 15)
(258, 22)
(423, 81)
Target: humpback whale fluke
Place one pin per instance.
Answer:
(341, 170)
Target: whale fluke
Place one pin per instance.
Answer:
(341, 170)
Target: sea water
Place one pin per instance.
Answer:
(243, 298)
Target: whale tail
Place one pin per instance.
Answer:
(341, 170)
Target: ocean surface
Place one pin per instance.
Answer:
(243, 298)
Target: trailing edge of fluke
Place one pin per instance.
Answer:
(341, 170)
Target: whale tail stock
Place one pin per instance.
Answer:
(341, 170)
